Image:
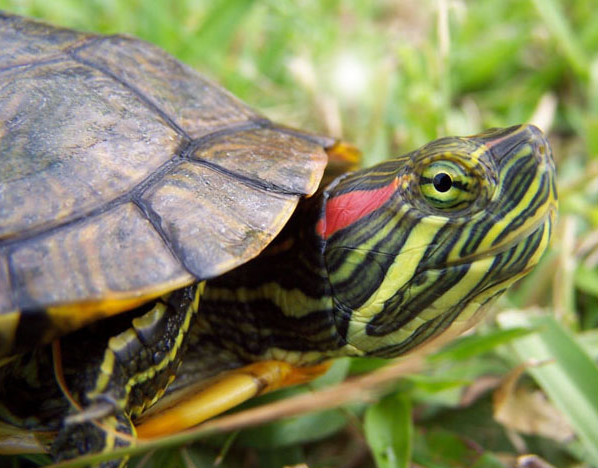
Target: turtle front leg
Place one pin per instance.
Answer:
(118, 380)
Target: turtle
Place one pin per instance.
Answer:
(156, 233)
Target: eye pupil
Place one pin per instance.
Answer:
(442, 182)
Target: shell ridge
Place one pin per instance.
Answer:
(205, 142)
(156, 221)
(245, 180)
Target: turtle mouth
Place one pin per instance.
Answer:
(546, 219)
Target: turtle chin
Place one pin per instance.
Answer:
(510, 262)
(524, 252)
(505, 263)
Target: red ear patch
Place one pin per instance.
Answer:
(347, 208)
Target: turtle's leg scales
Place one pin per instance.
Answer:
(194, 404)
(122, 377)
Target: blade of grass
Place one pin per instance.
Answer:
(570, 378)
(389, 431)
(468, 346)
(552, 15)
(223, 17)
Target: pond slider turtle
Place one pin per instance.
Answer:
(132, 189)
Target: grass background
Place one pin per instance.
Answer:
(389, 76)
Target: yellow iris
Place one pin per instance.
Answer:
(448, 185)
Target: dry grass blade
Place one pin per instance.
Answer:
(363, 388)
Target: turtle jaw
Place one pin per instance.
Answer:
(541, 224)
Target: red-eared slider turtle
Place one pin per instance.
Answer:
(127, 179)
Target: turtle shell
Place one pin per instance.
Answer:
(125, 174)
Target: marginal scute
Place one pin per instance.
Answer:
(194, 103)
(71, 140)
(215, 221)
(25, 41)
(274, 158)
(114, 252)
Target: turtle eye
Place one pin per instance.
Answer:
(447, 185)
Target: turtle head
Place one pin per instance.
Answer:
(417, 247)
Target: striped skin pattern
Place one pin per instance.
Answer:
(382, 262)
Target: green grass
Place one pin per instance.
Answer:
(420, 72)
